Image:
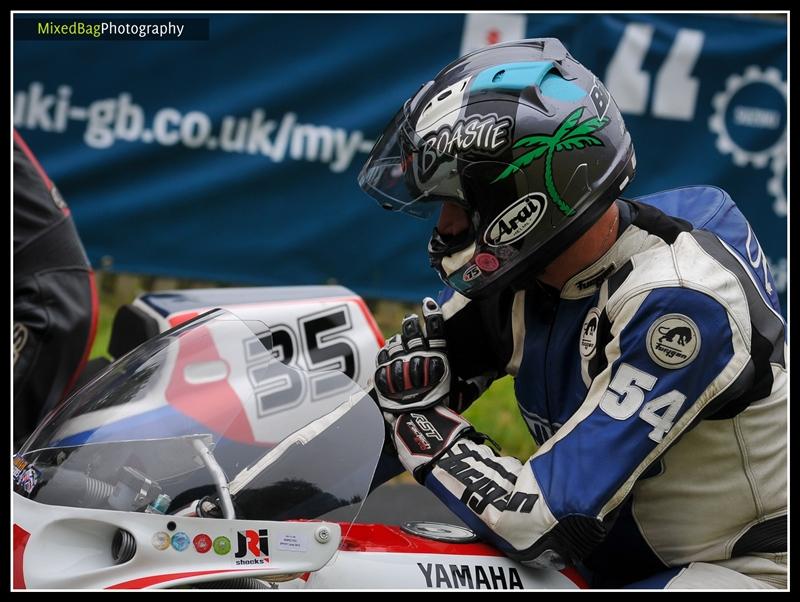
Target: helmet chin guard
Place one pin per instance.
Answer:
(522, 136)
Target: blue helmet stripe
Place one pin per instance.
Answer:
(518, 76)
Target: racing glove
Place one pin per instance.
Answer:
(418, 394)
(413, 372)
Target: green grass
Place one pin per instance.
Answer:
(104, 322)
(495, 413)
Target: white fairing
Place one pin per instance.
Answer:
(107, 492)
(70, 548)
(385, 570)
(295, 317)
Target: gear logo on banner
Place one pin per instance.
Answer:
(749, 120)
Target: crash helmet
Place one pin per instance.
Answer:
(525, 139)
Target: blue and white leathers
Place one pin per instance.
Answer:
(654, 383)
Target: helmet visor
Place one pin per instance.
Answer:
(413, 170)
(386, 175)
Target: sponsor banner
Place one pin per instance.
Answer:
(248, 173)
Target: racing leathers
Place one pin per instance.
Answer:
(654, 383)
(55, 298)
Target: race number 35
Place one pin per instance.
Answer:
(674, 91)
(626, 393)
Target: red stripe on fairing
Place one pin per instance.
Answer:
(92, 333)
(143, 582)
(181, 318)
(226, 414)
(21, 537)
(370, 320)
(385, 538)
(573, 575)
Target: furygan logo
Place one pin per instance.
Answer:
(516, 221)
(673, 341)
(487, 133)
(588, 342)
(596, 279)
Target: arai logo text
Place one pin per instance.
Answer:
(516, 221)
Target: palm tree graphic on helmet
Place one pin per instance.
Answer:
(570, 135)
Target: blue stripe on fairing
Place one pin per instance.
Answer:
(582, 471)
(460, 509)
(165, 421)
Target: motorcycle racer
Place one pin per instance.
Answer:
(55, 298)
(644, 336)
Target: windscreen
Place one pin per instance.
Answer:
(206, 411)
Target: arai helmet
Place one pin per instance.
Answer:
(523, 137)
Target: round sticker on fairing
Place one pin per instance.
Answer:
(222, 545)
(673, 341)
(202, 543)
(180, 541)
(588, 340)
(160, 540)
